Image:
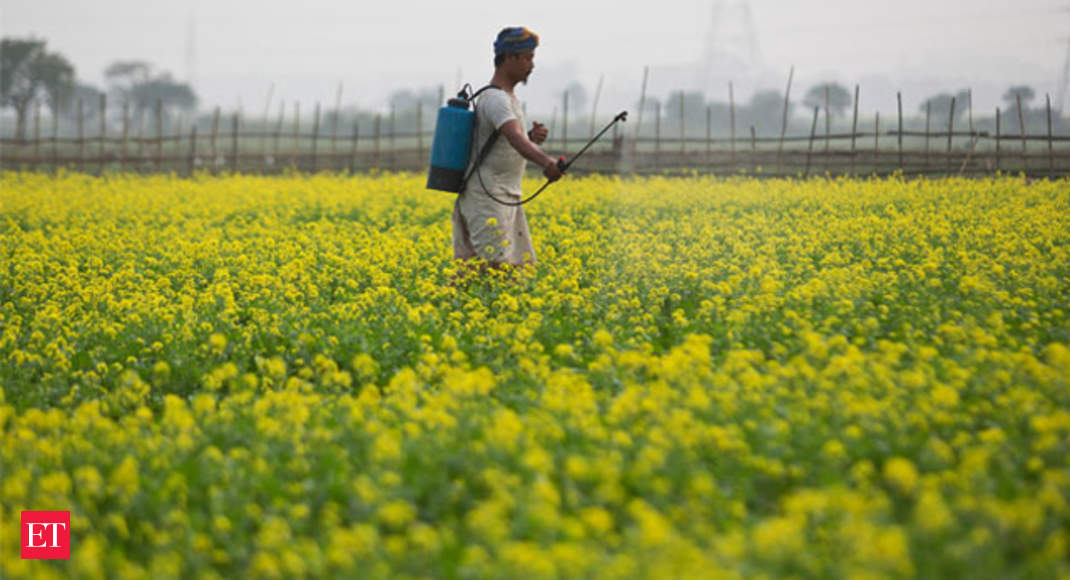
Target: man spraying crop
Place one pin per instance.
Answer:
(484, 227)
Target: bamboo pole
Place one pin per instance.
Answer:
(126, 130)
(754, 147)
(709, 131)
(877, 143)
(683, 134)
(657, 135)
(393, 142)
(1051, 152)
(828, 122)
(732, 123)
(337, 114)
(55, 138)
(594, 107)
(275, 160)
(420, 130)
(159, 134)
(103, 134)
(899, 135)
(642, 104)
(378, 133)
(235, 123)
(564, 121)
(192, 164)
(315, 136)
(212, 148)
(1021, 131)
(854, 131)
(81, 133)
(295, 159)
(997, 139)
(353, 146)
(928, 111)
(810, 146)
(950, 130)
(36, 133)
(784, 120)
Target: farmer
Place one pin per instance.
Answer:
(484, 229)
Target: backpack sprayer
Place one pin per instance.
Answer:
(451, 147)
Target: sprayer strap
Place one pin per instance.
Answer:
(485, 150)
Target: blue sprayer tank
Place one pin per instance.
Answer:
(451, 146)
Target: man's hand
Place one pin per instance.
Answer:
(552, 171)
(538, 133)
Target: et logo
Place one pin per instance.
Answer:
(46, 535)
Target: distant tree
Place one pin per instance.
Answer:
(135, 82)
(1011, 96)
(940, 105)
(87, 94)
(122, 76)
(27, 72)
(839, 98)
(694, 108)
(765, 110)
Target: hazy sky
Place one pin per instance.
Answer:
(307, 48)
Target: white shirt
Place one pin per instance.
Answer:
(503, 168)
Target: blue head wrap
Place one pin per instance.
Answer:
(515, 39)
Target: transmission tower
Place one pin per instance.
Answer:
(731, 46)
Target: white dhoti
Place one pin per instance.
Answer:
(487, 229)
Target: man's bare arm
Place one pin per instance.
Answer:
(512, 131)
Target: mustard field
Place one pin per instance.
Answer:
(240, 376)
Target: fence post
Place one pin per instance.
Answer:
(969, 109)
(657, 135)
(683, 134)
(36, 133)
(754, 147)
(1051, 153)
(235, 158)
(1021, 131)
(828, 123)
(564, 122)
(103, 129)
(212, 142)
(732, 123)
(159, 134)
(193, 149)
(899, 136)
(928, 107)
(295, 158)
(854, 130)
(55, 139)
(810, 147)
(950, 130)
(378, 132)
(709, 131)
(126, 131)
(315, 136)
(420, 130)
(997, 139)
(353, 147)
(642, 105)
(594, 107)
(277, 135)
(784, 120)
(877, 143)
(393, 142)
(81, 133)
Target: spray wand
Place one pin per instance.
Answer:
(563, 164)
